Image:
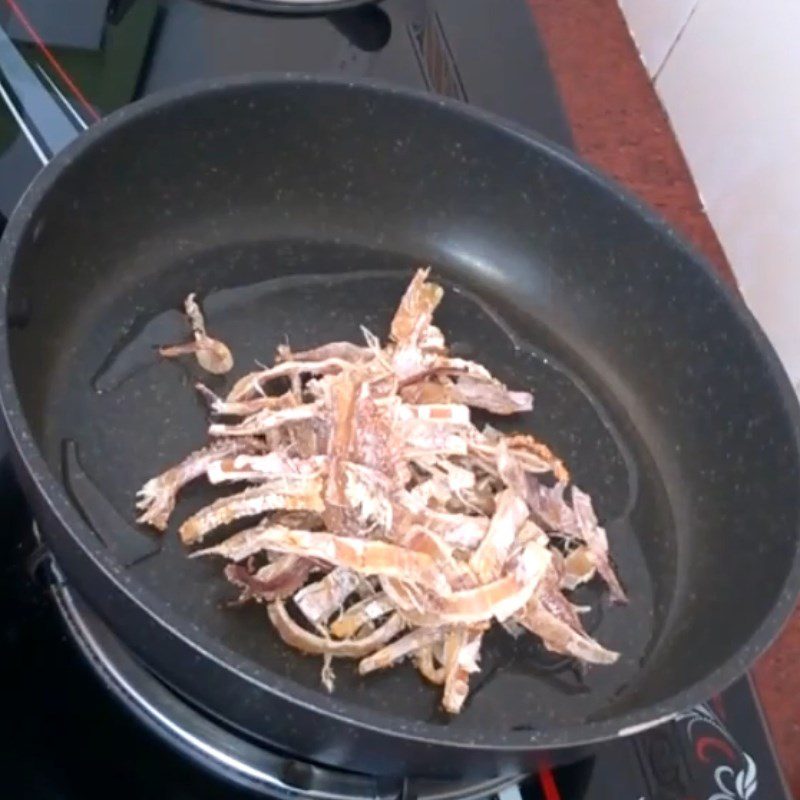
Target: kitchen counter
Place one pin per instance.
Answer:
(619, 126)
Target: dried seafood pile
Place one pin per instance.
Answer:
(387, 525)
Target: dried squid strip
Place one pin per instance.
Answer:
(415, 312)
(366, 556)
(406, 646)
(342, 351)
(411, 602)
(421, 540)
(559, 637)
(360, 614)
(597, 542)
(471, 384)
(453, 413)
(276, 581)
(490, 395)
(458, 530)
(426, 664)
(272, 466)
(304, 495)
(462, 650)
(525, 445)
(499, 599)
(252, 384)
(298, 637)
(212, 355)
(244, 408)
(318, 601)
(343, 396)
(492, 553)
(529, 461)
(579, 568)
(555, 620)
(267, 419)
(156, 499)
(550, 509)
(422, 437)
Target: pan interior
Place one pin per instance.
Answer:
(112, 391)
(292, 222)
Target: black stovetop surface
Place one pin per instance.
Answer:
(64, 735)
(97, 55)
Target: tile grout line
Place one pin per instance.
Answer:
(677, 39)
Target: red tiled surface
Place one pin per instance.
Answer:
(620, 127)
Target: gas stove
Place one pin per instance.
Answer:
(80, 712)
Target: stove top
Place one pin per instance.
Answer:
(79, 713)
(61, 71)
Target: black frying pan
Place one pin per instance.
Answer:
(298, 207)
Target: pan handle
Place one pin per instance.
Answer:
(44, 114)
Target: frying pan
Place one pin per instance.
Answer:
(297, 207)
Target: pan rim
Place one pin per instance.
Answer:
(53, 491)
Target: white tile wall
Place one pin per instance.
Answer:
(655, 24)
(731, 87)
